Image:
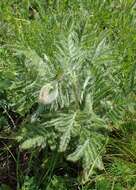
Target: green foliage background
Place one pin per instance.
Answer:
(81, 54)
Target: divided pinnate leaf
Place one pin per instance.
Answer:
(86, 105)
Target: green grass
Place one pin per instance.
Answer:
(67, 95)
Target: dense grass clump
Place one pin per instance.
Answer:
(67, 95)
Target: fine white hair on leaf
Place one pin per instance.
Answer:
(47, 96)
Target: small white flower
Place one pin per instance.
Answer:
(47, 95)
